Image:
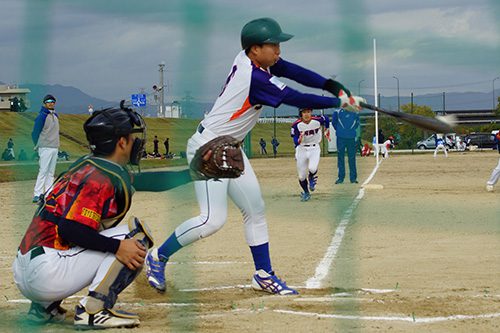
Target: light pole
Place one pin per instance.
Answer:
(359, 87)
(493, 83)
(161, 111)
(399, 104)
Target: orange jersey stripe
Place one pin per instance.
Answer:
(243, 109)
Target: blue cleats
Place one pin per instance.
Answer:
(155, 270)
(270, 283)
(305, 196)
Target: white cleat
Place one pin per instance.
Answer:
(106, 318)
(490, 188)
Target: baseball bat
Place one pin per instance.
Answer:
(440, 124)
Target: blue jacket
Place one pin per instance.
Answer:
(345, 123)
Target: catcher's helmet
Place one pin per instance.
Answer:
(262, 31)
(105, 127)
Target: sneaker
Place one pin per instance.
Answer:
(305, 196)
(339, 181)
(106, 318)
(489, 188)
(271, 283)
(36, 198)
(37, 314)
(312, 183)
(155, 270)
(354, 181)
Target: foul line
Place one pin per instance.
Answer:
(391, 318)
(324, 266)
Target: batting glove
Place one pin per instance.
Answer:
(352, 103)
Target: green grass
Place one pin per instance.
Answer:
(19, 126)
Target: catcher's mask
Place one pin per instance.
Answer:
(105, 127)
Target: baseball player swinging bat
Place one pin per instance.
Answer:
(440, 124)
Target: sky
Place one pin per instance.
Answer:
(111, 49)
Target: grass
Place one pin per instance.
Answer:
(19, 126)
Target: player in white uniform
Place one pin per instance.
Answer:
(306, 133)
(252, 82)
(440, 144)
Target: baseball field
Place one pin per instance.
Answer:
(421, 254)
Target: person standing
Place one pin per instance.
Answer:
(275, 144)
(253, 82)
(10, 147)
(495, 175)
(90, 109)
(263, 144)
(440, 144)
(306, 133)
(166, 143)
(45, 136)
(156, 152)
(346, 124)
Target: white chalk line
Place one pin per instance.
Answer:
(331, 252)
(412, 319)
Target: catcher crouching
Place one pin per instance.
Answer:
(74, 240)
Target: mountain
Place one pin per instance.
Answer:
(69, 99)
(72, 100)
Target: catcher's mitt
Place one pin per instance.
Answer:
(218, 158)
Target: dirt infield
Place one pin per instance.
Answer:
(420, 255)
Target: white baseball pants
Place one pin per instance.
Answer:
(307, 160)
(47, 162)
(57, 274)
(495, 175)
(439, 147)
(212, 195)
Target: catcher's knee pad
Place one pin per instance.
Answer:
(139, 230)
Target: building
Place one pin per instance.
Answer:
(10, 92)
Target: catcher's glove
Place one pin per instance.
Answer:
(218, 158)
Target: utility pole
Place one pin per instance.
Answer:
(399, 103)
(444, 103)
(359, 87)
(161, 108)
(494, 101)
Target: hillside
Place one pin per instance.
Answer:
(18, 126)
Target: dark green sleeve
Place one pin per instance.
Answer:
(157, 181)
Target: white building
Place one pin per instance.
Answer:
(9, 92)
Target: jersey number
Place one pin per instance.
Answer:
(230, 76)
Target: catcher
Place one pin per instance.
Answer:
(252, 83)
(74, 240)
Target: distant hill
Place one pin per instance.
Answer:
(69, 99)
(72, 100)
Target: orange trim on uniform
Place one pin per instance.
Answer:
(243, 109)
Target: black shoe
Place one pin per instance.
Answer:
(339, 181)
(354, 182)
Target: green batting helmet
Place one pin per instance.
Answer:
(261, 31)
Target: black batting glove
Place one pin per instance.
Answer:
(335, 87)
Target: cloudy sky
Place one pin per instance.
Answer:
(110, 49)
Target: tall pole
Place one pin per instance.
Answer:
(399, 103)
(274, 130)
(494, 101)
(375, 91)
(359, 87)
(444, 103)
(161, 110)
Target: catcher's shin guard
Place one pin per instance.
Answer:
(119, 276)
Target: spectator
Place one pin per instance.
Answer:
(345, 124)
(45, 137)
(167, 147)
(91, 109)
(6, 155)
(156, 153)
(275, 144)
(10, 147)
(262, 143)
(497, 141)
(22, 155)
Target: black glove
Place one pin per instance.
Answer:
(334, 87)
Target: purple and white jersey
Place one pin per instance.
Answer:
(249, 87)
(312, 131)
